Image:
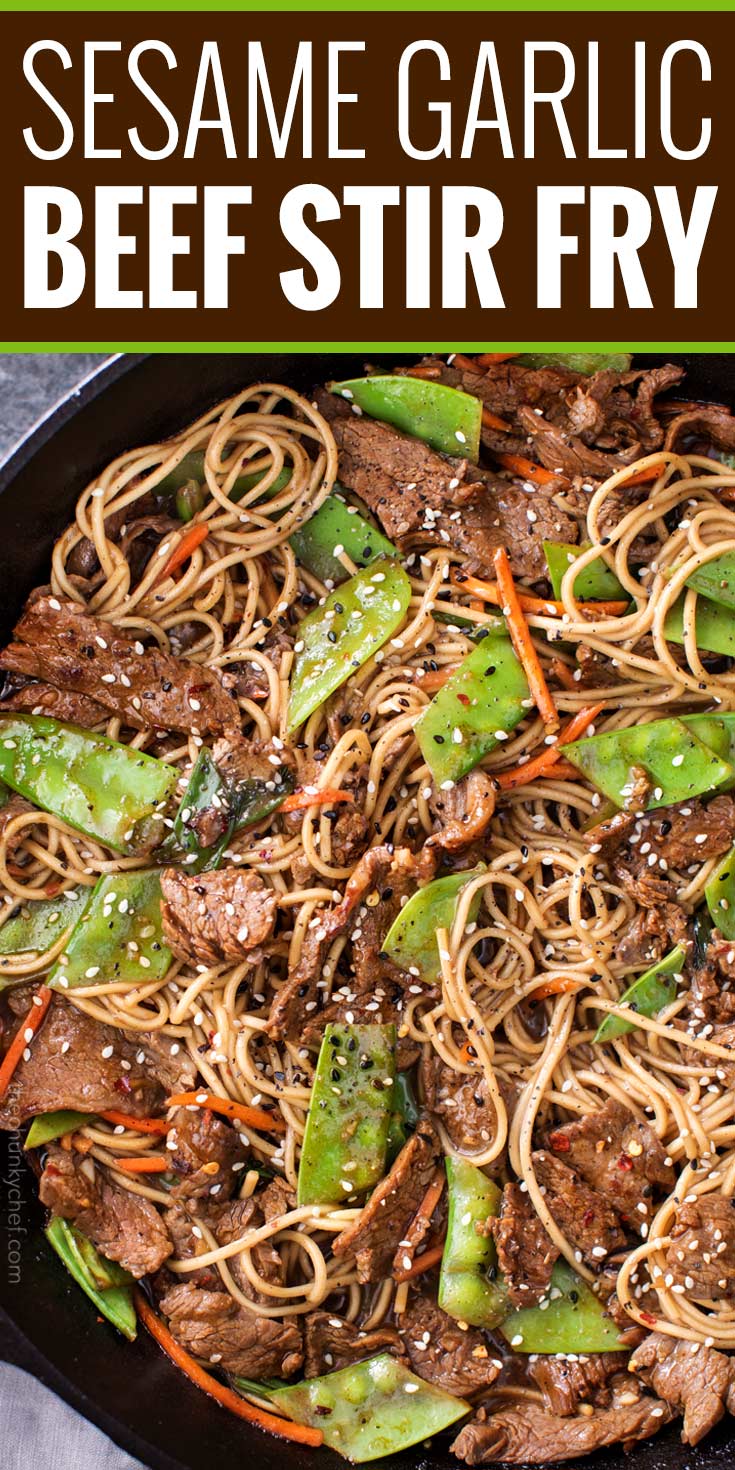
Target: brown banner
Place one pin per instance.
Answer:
(615, 103)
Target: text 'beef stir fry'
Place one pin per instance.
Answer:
(367, 947)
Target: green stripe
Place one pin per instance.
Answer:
(366, 346)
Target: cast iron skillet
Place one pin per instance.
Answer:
(131, 1390)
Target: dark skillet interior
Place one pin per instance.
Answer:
(131, 1390)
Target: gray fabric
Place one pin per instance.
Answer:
(40, 1431)
(33, 382)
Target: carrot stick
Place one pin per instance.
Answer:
(563, 673)
(520, 637)
(651, 472)
(224, 1396)
(254, 1117)
(424, 1262)
(25, 1033)
(137, 1125)
(486, 359)
(465, 364)
(561, 985)
(544, 606)
(493, 421)
(298, 801)
(527, 470)
(550, 758)
(181, 553)
(148, 1165)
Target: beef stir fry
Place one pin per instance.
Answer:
(367, 947)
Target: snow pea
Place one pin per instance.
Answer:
(334, 524)
(484, 699)
(715, 730)
(346, 1137)
(469, 1288)
(573, 1321)
(48, 1126)
(720, 896)
(595, 583)
(716, 579)
(370, 1409)
(191, 468)
(341, 634)
(39, 924)
(715, 626)
(119, 937)
(240, 806)
(104, 1283)
(648, 994)
(443, 417)
(403, 1118)
(679, 764)
(189, 500)
(577, 362)
(110, 792)
(411, 939)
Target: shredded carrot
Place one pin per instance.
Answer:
(561, 985)
(544, 606)
(493, 421)
(423, 370)
(147, 1165)
(25, 1033)
(563, 673)
(486, 359)
(550, 758)
(526, 468)
(192, 538)
(136, 1125)
(424, 1262)
(651, 472)
(432, 1197)
(435, 679)
(465, 364)
(224, 1396)
(298, 801)
(254, 1117)
(520, 637)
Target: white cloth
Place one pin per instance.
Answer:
(40, 1430)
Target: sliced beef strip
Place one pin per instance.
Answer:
(568, 1382)
(453, 1358)
(124, 1227)
(713, 976)
(373, 1238)
(277, 1199)
(716, 426)
(565, 454)
(208, 1155)
(230, 1222)
(463, 814)
(701, 1257)
(15, 806)
(654, 930)
(168, 1059)
(212, 917)
(584, 1216)
(461, 1101)
(34, 698)
(682, 835)
(60, 643)
(350, 837)
(68, 1067)
(331, 1343)
(526, 1253)
(619, 1156)
(213, 1327)
(596, 671)
(692, 1379)
(181, 1222)
(527, 1434)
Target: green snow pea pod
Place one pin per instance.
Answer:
(48, 1126)
(238, 806)
(90, 1270)
(189, 500)
(350, 1109)
(110, 792)
(334, 524)
(191, 468)
(443, 417)
(715, 626)
(469, 1288)
(679, 764)
(404, 1117)
(577, 362)
(648, 994)
(720, 896)
(573, 1322)
(40, 923)
(487, 694)
(595, 583)
(716, 579)
(119, 937)
(411, 939)
(351, 625)
(370, 1409)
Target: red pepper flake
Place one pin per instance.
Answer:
(464, 699)
(588, 1217)
(625, 1162)
(123, 1085)
(649, 1320)
(560, 1143)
